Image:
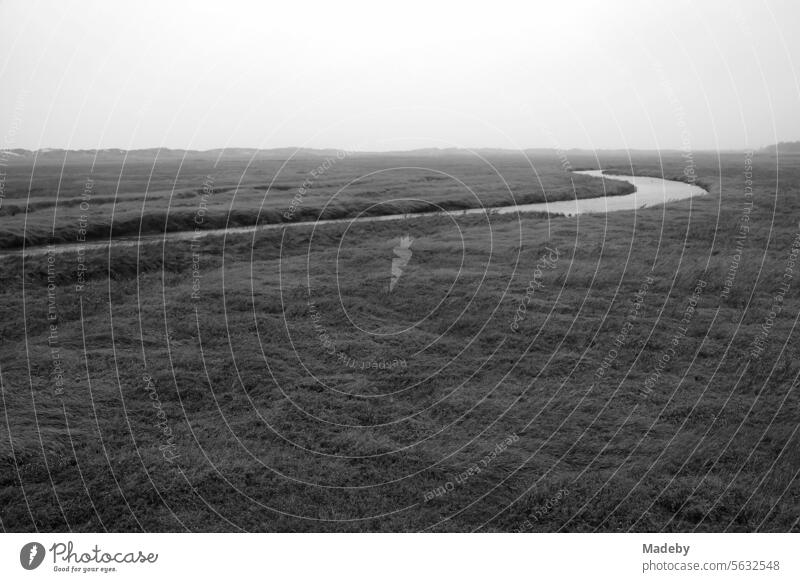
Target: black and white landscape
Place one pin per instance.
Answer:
(355, 268)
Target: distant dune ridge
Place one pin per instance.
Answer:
(784, 147)
(284, 153)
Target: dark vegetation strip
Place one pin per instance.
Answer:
(158, 223)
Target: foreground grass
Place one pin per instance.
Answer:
(273, 431)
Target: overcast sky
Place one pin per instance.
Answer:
(401, 75)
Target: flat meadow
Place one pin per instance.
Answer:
(627, 371)
(147, 194)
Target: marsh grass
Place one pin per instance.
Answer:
(274, 434)
(234, 195)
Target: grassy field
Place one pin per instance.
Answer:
(119, 197)
(525, 374)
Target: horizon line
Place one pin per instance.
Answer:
(393, 151)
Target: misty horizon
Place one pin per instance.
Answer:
(574, 75)
(793, 145)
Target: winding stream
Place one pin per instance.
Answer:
(649, 192)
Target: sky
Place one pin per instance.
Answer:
(376, 76)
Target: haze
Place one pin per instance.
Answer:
(370, 76)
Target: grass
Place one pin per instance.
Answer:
(275, 433)
(128, 199)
